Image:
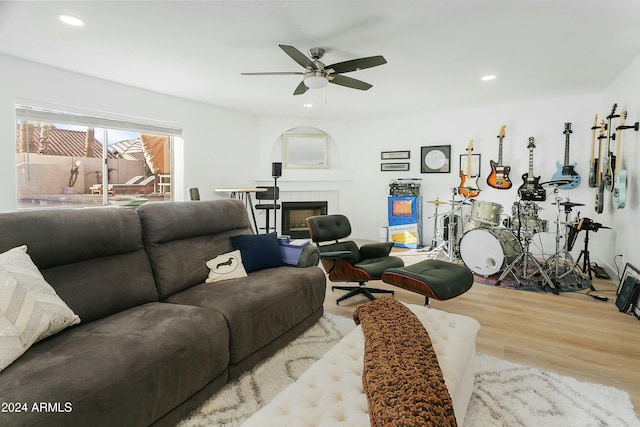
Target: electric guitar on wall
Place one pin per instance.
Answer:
(567, 172)
(499, 176)
(593, 166)
(468, 183)
(600, 174)
(620, 184)
(609, 167)
(531, 189)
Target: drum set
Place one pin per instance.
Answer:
(488, 241)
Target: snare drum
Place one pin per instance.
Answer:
(486, 212)
(525, 215)
(486, 251)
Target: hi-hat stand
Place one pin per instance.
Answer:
(553, 263)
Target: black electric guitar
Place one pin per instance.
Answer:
(600, 175)
(593, 166)
(566, 171)
(531, 189)
(609, 167)
(468, 182)
(499, 176)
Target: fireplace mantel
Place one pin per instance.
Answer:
(263, 176)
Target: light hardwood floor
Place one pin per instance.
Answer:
(571, 334)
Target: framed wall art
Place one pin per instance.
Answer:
(470, 169)
(395, 155)
(435, 159)
(394, 167)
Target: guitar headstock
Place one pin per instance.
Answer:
(613, 110)
(595, 122)
(470, 146)
(532, 143)
(567, 128)
(623, 116)
(501, 133)
(603, 126)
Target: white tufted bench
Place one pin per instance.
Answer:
(330, 392)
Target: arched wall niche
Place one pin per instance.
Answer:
(306, 147)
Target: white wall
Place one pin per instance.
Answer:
(219, 147)
(223, 148)
(625, 223)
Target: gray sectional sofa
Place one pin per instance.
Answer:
(154, 340)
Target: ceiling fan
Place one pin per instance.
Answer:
(317, 75)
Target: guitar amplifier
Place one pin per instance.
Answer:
(629, 292)
(405, 187)
(539, 195)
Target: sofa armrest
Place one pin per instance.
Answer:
(375, 250)
(310, 256)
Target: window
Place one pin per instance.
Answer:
(68, 159)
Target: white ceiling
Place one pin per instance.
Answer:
(437, 50)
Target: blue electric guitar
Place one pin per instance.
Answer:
(566, 171)
(620, 181)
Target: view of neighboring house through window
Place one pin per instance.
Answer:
(65, 160)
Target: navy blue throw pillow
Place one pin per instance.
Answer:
(259, 251)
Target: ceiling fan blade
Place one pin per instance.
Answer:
(302, 88)
(276, 73)
(298, 56)
(356, 64)
(348, 82)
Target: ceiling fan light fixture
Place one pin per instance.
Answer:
(315, 80)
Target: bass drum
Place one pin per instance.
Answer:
(486, 251)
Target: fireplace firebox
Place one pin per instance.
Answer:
(295, 214)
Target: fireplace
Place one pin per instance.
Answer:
(295, 214)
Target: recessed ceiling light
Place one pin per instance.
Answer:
(307, 106)
(487, 78)
(71, 20)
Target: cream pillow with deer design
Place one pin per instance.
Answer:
(226, 266)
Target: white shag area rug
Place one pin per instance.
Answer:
(506, 394)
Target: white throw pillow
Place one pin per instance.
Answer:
(30, 309)
(226, 266)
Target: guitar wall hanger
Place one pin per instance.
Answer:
(635, 126)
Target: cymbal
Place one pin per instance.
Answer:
(437, 202)
(570, 204)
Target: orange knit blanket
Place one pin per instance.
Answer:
(401, 376)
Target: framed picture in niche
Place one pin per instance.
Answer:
(435, 159)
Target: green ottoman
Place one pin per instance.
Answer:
(432, 278)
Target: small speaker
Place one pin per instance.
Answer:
(276, 169)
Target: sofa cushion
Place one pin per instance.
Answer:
(30, 310)
(225, 267)
(180, 237)
(94, 258)
(262, 306)
(128, 369)
(259, 251)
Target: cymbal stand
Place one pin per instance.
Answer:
(570, 265)
(436, 231)
(526, 257)
(450, 244)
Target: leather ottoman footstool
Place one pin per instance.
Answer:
(432, 278)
